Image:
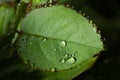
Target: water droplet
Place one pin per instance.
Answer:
(44, 39)
(55, 49)
(99, 31)
(53, 70)
(73, 55)
(62, 60)
(87, 17)
(71, 60)
(67, 5)
(18, 5)
(66, 55)
(50, 1)
(32, 65)
(27, 62)
(62, 43)
(94, 29)
(83, 14)
(91, 21)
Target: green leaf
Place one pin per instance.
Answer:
(35, 2)
(67, 74)
(58, 39)
(6, 16)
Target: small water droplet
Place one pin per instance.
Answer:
(87, 17)
(55, 49)
(62, 60)
(53, 70)
(71, 60)
(94, 29)
(91, 21)
(50, 1)
(44, 39)
(67, 5)
(66, 55)
(32, 65)
(18, 4)
(27, 62)
(73, 55)
(83, 14)
(63, 44)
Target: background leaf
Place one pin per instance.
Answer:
(35, 2)
(6, 17)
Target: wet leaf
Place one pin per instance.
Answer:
(58, 39)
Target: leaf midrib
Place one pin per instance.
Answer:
(59, 39)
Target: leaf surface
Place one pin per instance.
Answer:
(57, 39)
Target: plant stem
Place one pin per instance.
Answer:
(20, 11)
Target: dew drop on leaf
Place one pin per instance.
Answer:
(91, 22)
(71, 60)
(27, 62)
(62, 60)
(44, 40)
(18, 4)
(73, 55)
(63, 44)
(32, 65)
(66, 55)
(55, 49)
(53, 70)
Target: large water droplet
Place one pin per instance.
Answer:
(71, 60)
(53, 70)
(63, 43)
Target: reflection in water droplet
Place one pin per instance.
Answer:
(44, 39)
(62, 60)
(53, 70)
(63, 43)
(71, 60)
